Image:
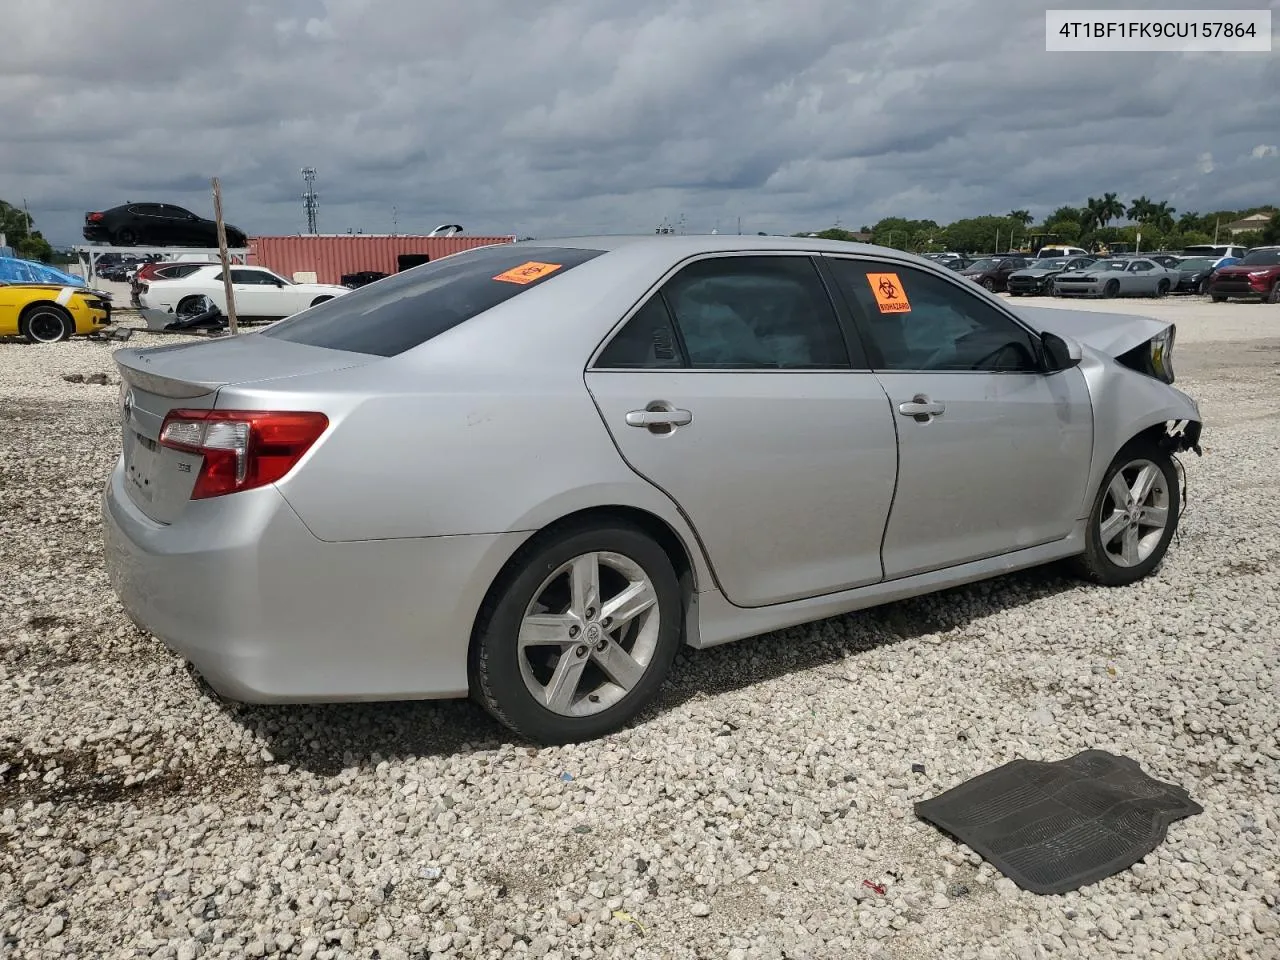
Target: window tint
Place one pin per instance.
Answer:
(1140, 266)
(755, 312)
(648, 341)
(146, 210)
(408, 309)
(251, 276)
(914, 320)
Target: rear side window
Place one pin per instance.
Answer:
(396, 314)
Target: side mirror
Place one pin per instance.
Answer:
(1060, 353)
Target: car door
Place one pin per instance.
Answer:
(735, 389)
(993, 453)
(256, 293)
(1141, 276)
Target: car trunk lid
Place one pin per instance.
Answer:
(156, 381)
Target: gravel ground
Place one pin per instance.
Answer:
(140, 816)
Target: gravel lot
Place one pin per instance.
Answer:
(140, 816)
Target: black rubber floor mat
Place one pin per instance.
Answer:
(1055, 827)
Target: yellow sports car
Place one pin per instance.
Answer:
(46, 312)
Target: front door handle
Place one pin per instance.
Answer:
(921, 408)
(659, 418)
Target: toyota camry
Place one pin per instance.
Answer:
(529, 472)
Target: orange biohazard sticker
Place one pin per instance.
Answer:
(890, 297)
(528, 272)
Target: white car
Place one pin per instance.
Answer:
(259, 294)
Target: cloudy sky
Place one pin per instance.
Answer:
(578, 116)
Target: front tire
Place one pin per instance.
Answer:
(319, 300)
(1133, 518)
(990, 285)
(578, 633)
(1111, 290)
(1274, 296)
(46, 323)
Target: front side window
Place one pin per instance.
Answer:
(254, 277)
(914, 320)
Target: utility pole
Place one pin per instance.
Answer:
(226, 260)
(393, 221)
(310, 202)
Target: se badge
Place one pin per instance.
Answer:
(528, 272)
(890, 297)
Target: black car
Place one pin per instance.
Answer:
(1037, 278)
(1196, 273)
(993, 272)
(156, 224)
(1165, 260)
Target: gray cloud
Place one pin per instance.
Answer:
(609, 115)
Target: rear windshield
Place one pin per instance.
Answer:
(396, 314)
(1262, 258)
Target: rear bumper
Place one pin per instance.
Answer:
(157, 319)
(95, 232)
(269, 614)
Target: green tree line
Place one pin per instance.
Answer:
(20, 233)
(1089, 226)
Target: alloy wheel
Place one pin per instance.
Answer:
(590, 634)
(1134, 513)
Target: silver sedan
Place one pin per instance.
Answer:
(1118, 277)
(529, 472)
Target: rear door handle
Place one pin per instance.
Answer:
(659, 418)
(921, 408)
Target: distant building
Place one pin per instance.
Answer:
(1255, 221)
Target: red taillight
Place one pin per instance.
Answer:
(95, 217)
(242, 449)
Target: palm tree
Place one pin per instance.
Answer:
(1162, 215)
(1091, 215)
(1109, 209)
(1022, 217)
(1140, 210)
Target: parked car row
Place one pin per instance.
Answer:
(1256, 273)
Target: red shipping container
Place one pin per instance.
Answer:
(332, 256)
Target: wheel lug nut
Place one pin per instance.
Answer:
(606, 621)
(581, 651)
(601, 645)
(591, 612)
(574, 631)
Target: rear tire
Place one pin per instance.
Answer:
(1216, 297)
(1127, 536)
(126, 238)
(1162, 288)
(46, 323)
(581, 678)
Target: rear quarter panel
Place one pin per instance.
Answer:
(472, 453)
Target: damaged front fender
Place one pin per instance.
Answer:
(1127, 404)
